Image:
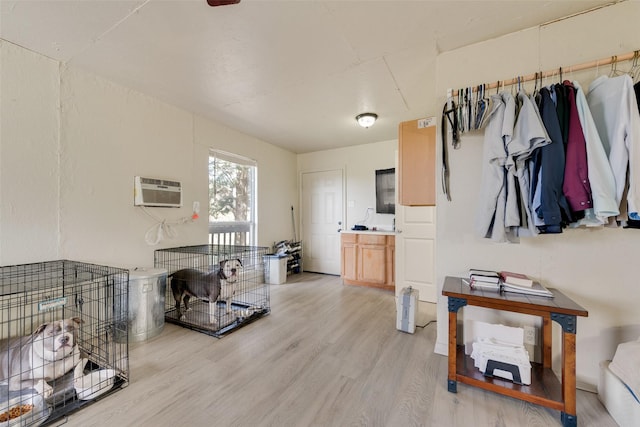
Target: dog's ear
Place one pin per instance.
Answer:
(77, 320)
(40, 329)
(222, 263)
(239, 261)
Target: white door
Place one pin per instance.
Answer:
(322, 213)
(415, 250)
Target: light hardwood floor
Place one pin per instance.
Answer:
(327, 355)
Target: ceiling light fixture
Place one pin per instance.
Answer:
(366, 119)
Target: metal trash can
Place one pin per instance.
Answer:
(275, 269)
(147, 287)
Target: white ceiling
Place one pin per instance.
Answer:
(292, 73)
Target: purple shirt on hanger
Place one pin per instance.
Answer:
(576, 185)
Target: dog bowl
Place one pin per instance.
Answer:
(37, 415)
(95, 383)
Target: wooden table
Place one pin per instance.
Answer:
(545, 389)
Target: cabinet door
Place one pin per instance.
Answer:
(348, 256)
(372, 263)
(391, 256)
(417, 162)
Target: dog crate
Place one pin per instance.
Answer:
(47, 293)
(239, 302)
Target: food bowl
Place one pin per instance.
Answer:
(36, 415)
(93, 384)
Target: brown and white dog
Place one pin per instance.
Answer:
(189, 282)
(47, 354)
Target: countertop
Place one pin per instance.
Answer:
(380, 232)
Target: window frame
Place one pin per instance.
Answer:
(222, 232)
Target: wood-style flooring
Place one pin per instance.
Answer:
(327, 355)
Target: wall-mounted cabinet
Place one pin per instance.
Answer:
(368, 260)
(417, 162)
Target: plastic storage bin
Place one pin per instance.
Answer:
(147, 288)
(275, 271)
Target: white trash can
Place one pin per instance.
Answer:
(275, 269)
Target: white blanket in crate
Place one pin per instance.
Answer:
(626, 366)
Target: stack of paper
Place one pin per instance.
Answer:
(536, 289)
(486, 349)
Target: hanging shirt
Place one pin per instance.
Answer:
(553, 207)
(601, 179)
(528, 135)
(576, 185)
(560, 99)
(498, 132)
(615, 113)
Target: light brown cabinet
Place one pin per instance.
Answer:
(368, 260)
(417, 162)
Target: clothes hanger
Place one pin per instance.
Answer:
(571, 74)
(459, 111)
(483, 106)
(634, 72)
(471, 108)
(614, 68)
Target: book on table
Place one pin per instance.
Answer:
(485, 276)
(475, 284)
(518, 279)
(536, 289)
(506, 281)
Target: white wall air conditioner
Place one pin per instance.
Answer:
(157, 192)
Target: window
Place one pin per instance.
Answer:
(232, 199)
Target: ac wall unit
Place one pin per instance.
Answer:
(157, 192)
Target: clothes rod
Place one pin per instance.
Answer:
(541, 75)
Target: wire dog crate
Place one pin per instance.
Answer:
(65, 321)
(238, 273)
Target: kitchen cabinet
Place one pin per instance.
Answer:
(417, 162)
(367, 259)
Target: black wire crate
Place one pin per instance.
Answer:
(63, 338)
(215, 289)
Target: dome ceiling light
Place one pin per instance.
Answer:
(366, 119)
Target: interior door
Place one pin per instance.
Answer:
(415, 250)
(322, 217)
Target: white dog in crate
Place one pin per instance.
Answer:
(47, 354)
(189, 282)
(228, 287)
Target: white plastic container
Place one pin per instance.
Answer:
(275, 269)
(407, 310)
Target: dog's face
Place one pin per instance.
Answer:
(230, 268)
(56, 340)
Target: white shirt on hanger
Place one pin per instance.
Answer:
(490, 216)
(615, 113)
(601, 179)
